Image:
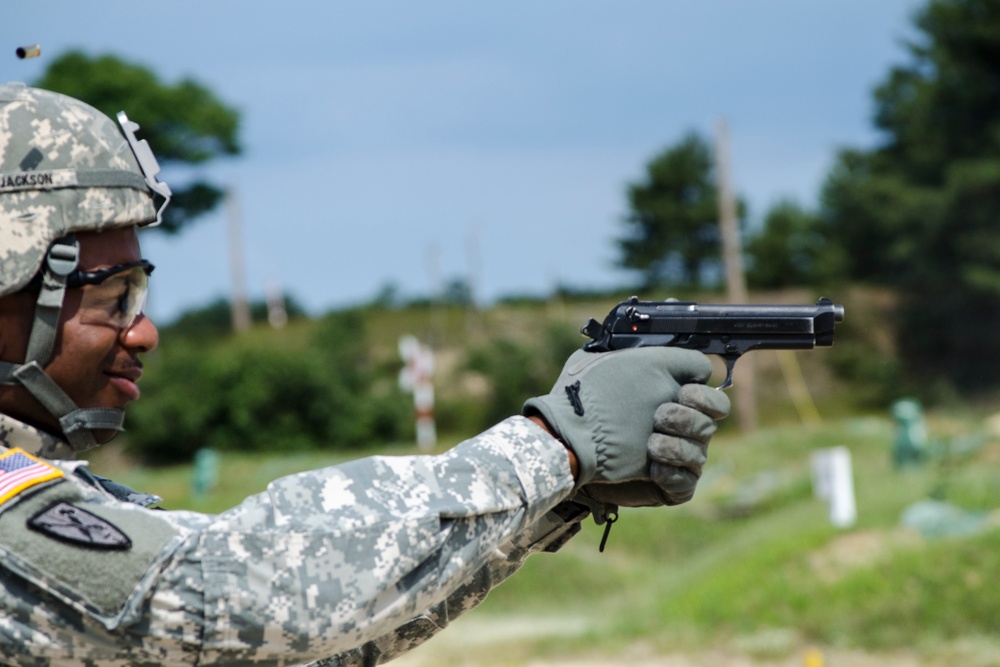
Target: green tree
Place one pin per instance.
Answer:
(184, 123)
(920, 212)
(672, 230)
(788, 251)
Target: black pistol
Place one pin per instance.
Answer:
(728, 330)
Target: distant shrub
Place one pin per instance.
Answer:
(248, 394)
(516, 371)
(215, 319)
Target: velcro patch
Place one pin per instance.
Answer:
(20, 470)
(106, 584)
(75, 525)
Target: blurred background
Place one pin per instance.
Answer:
(484, 178)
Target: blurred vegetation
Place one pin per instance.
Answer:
(918, 213)
(216, 319)
(312, 384)
(515, 371)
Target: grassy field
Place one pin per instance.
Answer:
(750, 572)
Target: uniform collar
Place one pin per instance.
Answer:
(14, 433)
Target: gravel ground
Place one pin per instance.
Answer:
(493, 642)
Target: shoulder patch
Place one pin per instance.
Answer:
(20, 471)
(59, 539)
(69, 523)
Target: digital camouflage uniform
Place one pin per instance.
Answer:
(349, 565)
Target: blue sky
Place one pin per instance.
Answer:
(410, 143)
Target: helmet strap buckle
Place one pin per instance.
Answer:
(64, 256)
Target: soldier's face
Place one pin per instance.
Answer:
(97, 365)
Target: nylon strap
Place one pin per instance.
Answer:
(111, 178)
(75, 422)
(7, 370)
(62, 258)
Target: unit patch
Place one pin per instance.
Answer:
(72, 524)
(20, 470)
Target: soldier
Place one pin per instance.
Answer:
(347, 565)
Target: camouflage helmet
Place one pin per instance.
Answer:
(65, 167)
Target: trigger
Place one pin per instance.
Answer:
(730, 365)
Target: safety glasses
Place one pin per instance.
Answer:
(114, 296)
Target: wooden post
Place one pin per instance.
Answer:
(736, 289)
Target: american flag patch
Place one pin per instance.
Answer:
(20, 470)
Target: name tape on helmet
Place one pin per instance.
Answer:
(71, 178)
(63, 178)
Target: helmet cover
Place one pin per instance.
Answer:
(65, 167)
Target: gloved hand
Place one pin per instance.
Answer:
(603, 405)
(677, 450)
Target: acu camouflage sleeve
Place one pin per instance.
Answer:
(325, 561)
(548, 534)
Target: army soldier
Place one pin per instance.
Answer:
(347, 565)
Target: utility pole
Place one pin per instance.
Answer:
(732, 258)
(239, 309)
(474, 259)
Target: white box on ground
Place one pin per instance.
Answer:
(833, 481)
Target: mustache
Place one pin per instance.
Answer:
(127, 364)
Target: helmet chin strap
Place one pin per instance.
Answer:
(76, 423)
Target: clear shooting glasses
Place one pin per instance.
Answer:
(115, 296)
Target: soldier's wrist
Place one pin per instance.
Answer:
(574, 463)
